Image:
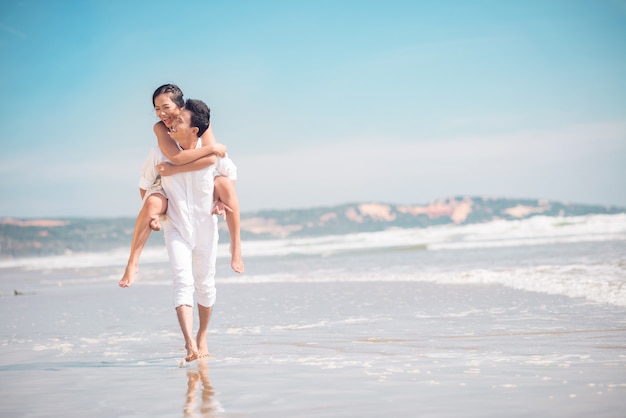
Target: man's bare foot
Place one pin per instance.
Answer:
(155, 225)
(129, 276)
(192, 351)
(236, 263)
(192, 354)
(203, 351)
(191, 357)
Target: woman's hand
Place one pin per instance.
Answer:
(219, 150)
(166, 169)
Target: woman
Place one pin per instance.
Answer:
(168, 102)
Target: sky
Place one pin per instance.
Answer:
(319, 102)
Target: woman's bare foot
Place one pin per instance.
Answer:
(129, 276)
(155, 225)
(236, 263)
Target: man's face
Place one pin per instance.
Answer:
(180, 130)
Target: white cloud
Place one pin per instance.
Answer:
(550, 164)
(584, 163)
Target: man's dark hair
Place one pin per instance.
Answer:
(200, 115)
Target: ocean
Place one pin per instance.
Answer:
(515, 318)
(577, 257)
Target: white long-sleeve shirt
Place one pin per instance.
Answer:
(190, 194)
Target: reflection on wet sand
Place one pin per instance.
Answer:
(209, 406)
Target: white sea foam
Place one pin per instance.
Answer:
(321, 324)
(597, 283)
(117, 257)
(62, 347)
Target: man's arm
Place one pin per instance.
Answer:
(180, 157)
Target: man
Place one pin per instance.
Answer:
(190, 229)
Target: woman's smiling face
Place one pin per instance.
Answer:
(166, 109)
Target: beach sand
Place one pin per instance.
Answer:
(328, 349)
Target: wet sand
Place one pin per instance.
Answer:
(333, 349)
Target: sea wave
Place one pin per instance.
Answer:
(500, 233)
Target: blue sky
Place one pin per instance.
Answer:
(319, 102)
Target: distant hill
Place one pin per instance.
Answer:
(35, 237)
(376, 216)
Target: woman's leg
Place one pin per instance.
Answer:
(153, 206)
(225, 191)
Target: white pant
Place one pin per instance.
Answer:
(193, 267)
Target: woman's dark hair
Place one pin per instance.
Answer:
(176, 94)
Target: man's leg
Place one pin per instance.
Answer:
(185, 320)
(180, 254)
(153, 206)
(205, 316)
(204, 259)
(225, 191)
